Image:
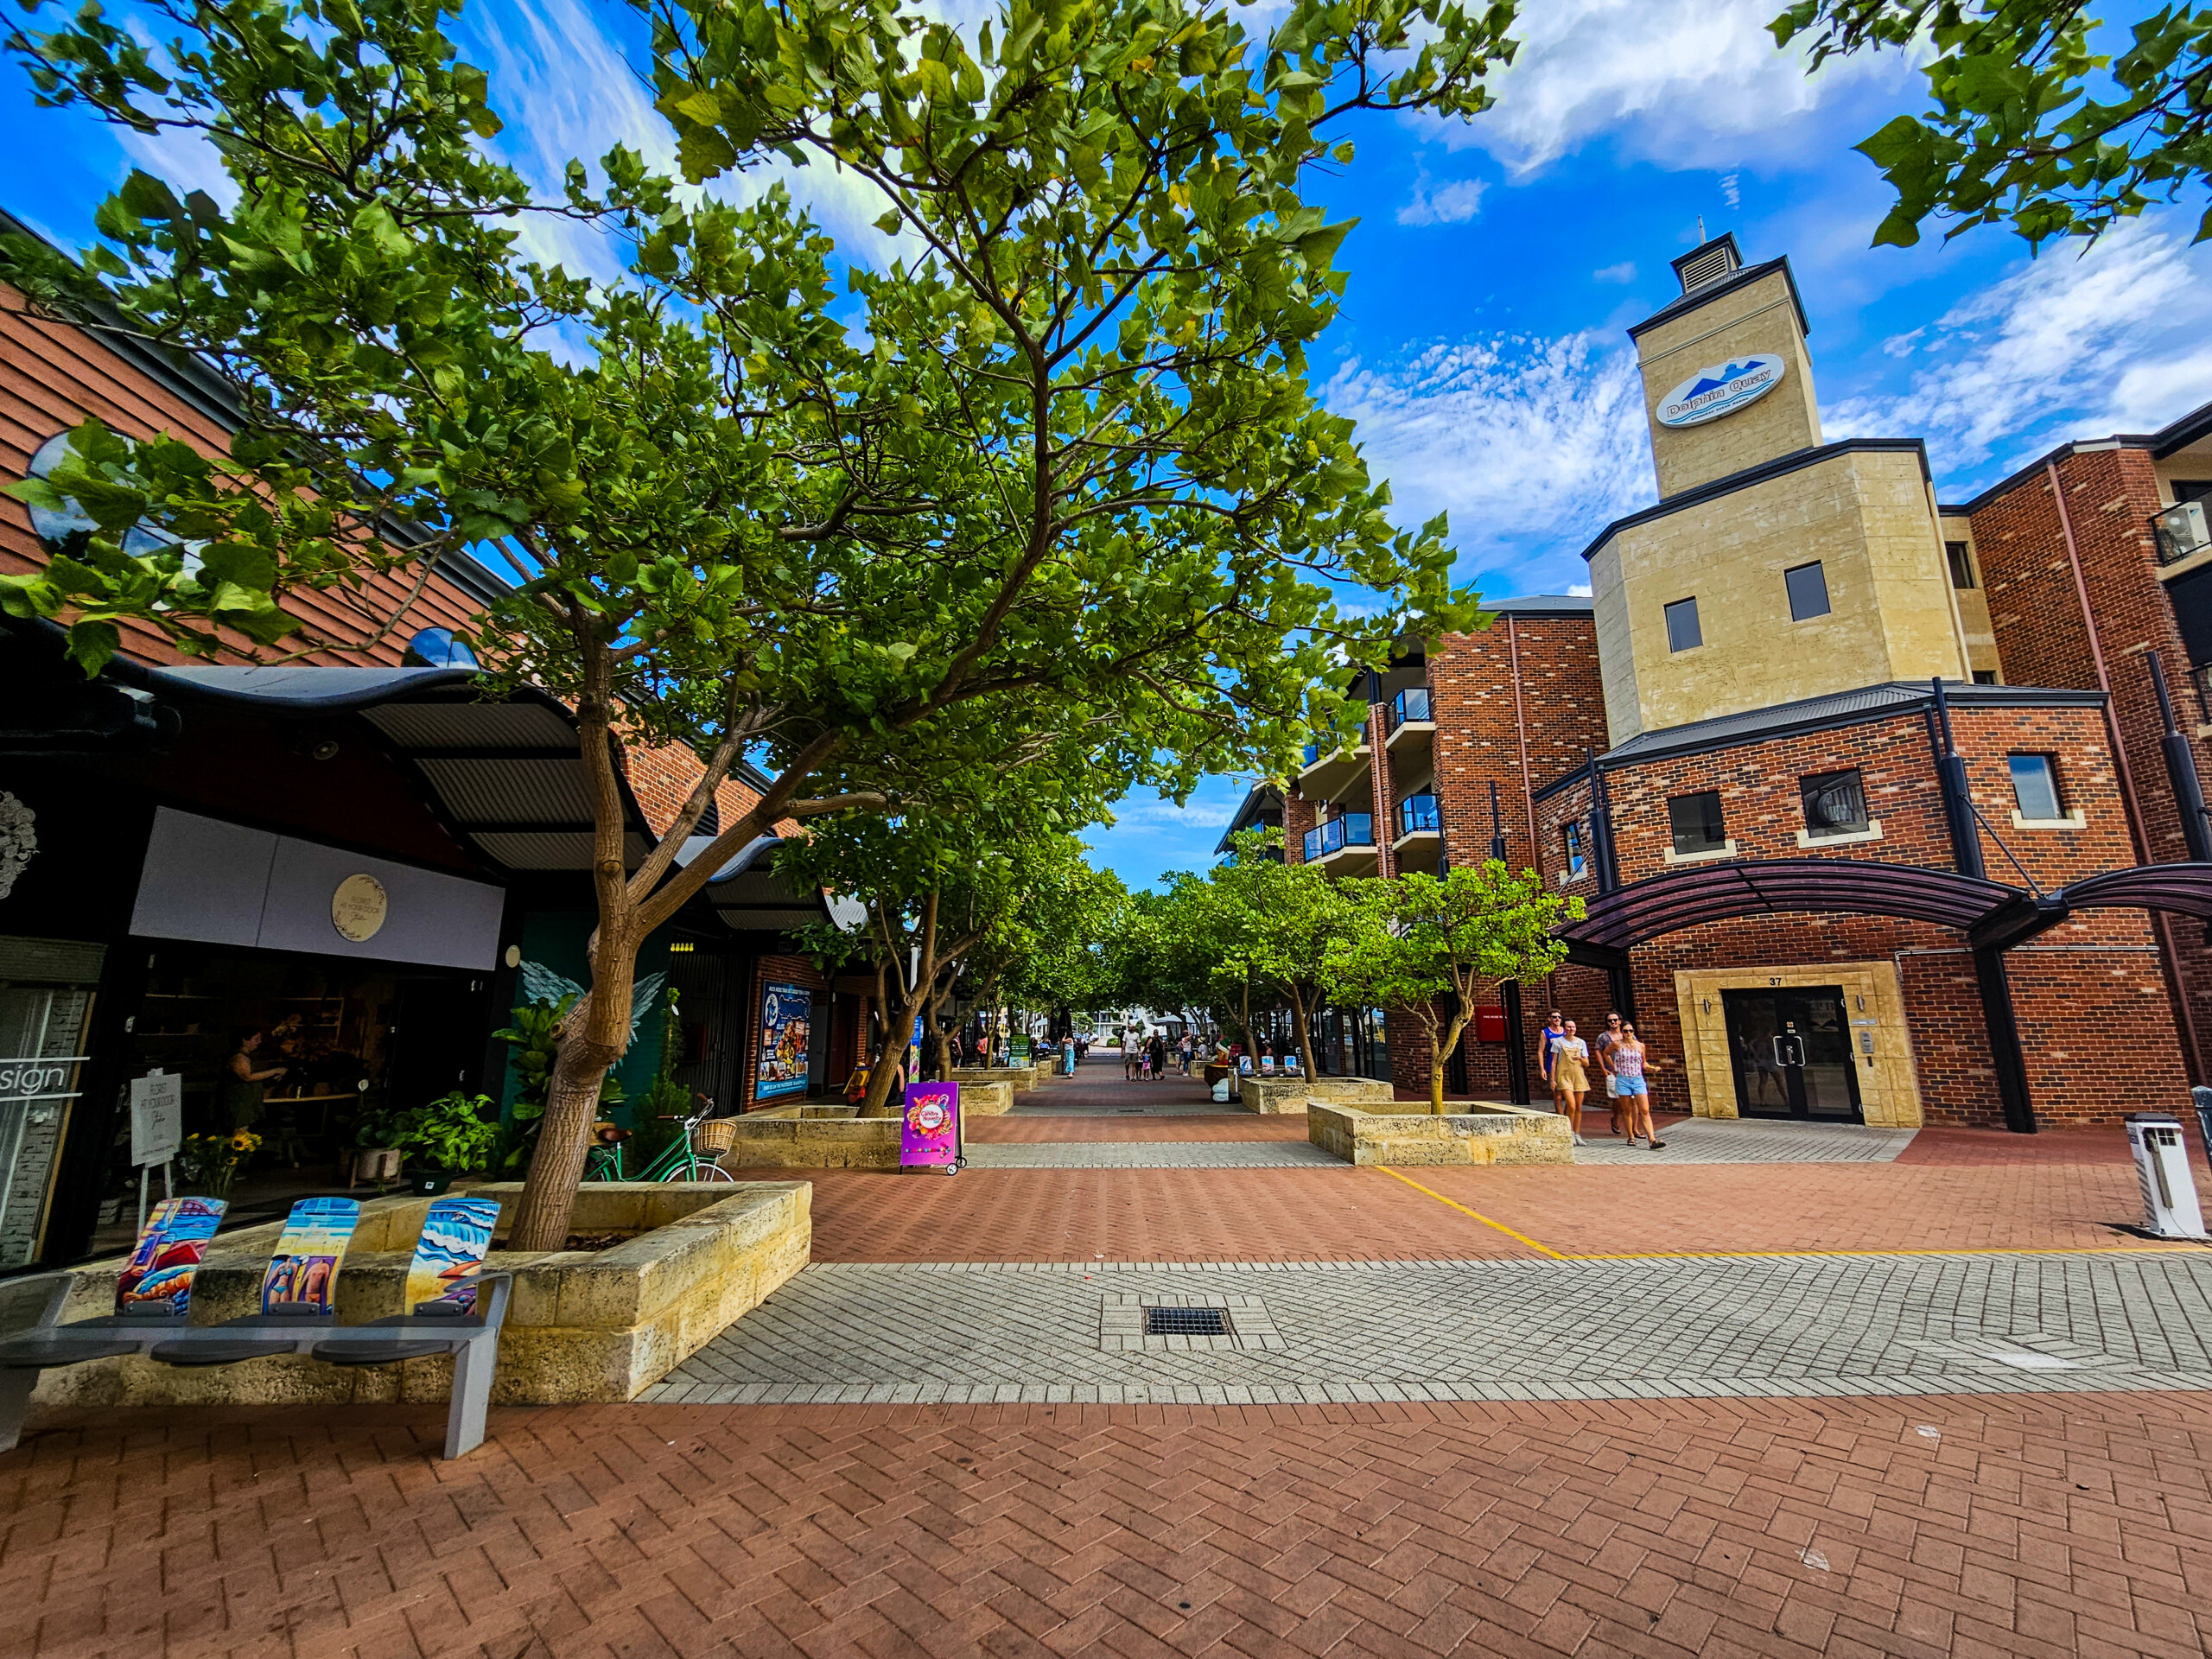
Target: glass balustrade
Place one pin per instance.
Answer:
(1410, 704)
(1417, 815)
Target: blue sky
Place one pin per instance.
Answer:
(1496, 266)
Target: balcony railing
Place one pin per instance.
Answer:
(1351, 830)
(1410, 704)
(1417, 816)
(2180, 531)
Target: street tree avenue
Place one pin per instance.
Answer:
(1066, 450)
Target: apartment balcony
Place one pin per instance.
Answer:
(2181, 532)
(1326, 776)
(1418, 831)
(1409, 719)
(1344, 845)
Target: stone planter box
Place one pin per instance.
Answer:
(782, 1138)
(583, 1326)
(1473, 1132)
(1019, 1078)
(1277, 1096)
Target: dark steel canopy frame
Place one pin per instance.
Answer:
(1992, 916)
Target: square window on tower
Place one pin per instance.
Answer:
(1809, 591)
(1682, 631)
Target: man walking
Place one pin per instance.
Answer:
(1608, 1040)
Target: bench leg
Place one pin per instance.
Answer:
(472, 1394)
(14, 1405)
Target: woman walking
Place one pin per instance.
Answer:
(1635, 1091)
(1570, 1081)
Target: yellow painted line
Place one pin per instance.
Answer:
(1476, 1214)
(1722, 1256)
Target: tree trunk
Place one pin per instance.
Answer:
(1302, 1030)
(1438, 1050)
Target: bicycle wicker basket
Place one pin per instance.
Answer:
(715, 1135)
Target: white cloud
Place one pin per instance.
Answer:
(1684, 83)
(2119, 339)
(1732, 189)
(1515, 436)
(1577, 590)
(566, 89)
(1624, 272)
(1451, 204)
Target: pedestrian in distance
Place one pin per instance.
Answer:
(1570, 1078)
(1628, 1056)
(1155, 1055)
(1603, 1048)
(1184, 1050)
(1130, 1060)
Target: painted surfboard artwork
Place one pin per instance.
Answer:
(303, 1272)
(456, 1237)
(159, 1274)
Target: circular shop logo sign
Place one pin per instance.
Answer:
(1721, 388)
(930, 1116)
(358, 908)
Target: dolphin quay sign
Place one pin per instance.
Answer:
(1721, 389)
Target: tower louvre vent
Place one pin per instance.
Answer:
(1708, 263)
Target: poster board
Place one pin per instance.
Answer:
(156, 1117)
(929, 1129)
(786, 1016)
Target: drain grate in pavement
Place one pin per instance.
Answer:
(1187, 1322)
(1139, 1322)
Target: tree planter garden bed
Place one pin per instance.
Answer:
(1470, 1132)
(690, 1259)
(1277, 1096)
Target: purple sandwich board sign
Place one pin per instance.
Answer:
(929, 1133)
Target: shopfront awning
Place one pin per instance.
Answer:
(748, 894)
(506, 776)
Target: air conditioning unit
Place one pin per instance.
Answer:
(2181, 532)
(2169, 1209)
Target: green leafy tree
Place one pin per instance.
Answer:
(1069, 454)
(1433, 946)
(950, 884)
(2028, 122)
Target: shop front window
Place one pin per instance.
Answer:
(46, 1011)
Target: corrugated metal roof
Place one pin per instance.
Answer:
(473, 725)
(550, 850)
(477, 790)
(1867, 701)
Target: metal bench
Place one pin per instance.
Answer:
(472, 1339)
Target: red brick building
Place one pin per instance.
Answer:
(1854, 787)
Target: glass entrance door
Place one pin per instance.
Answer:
(1791, 1052)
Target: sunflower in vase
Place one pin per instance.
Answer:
(207, 1164)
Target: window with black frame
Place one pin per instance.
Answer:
(1835, 804)
(1696, 822)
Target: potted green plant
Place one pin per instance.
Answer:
(374, 1156)
(454, 1135)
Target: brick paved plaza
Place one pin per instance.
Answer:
(1924, 1395)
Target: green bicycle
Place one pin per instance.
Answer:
(681, 1161)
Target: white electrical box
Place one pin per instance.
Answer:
(2169, 1209)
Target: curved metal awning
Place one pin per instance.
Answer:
(2184, 887)
(1718, 893)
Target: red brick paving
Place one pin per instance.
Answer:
(1596, 1210)
(1138, 1215)
(1233, 1126)
(2079, 1525)
(1186, 1215)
